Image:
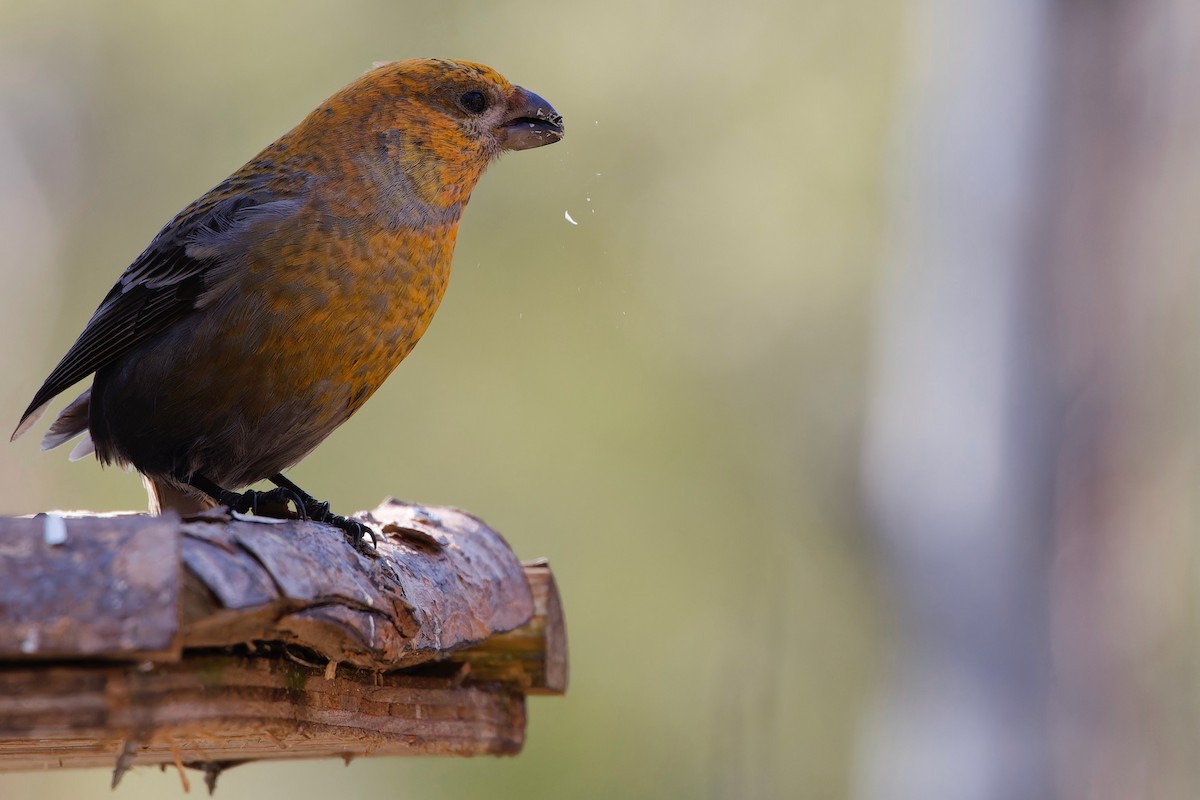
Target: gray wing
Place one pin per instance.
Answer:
(186, 267)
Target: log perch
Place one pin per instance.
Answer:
(221, 639)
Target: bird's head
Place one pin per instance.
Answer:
(441, 121)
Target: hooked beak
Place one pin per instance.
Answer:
(530, 122)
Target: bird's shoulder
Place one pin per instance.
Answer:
(190, 263)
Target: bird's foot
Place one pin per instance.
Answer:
(277, 503)
(354, 531)
(280, 501)
(318, 511)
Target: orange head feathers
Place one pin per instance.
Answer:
(439, 123)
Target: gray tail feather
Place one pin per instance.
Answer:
(72, 421)
(83, 448)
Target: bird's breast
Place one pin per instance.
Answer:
(336, 311)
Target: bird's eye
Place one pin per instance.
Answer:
(474, 102)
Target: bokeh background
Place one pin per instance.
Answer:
(855, 411)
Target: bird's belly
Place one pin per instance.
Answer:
(247, 387)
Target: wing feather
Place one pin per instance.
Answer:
(186, 266)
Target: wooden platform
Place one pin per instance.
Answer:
(129, 640)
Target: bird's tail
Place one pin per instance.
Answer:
(184, 501)
(72, 421)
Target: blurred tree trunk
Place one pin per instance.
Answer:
(958, 456)
(1032, 454)
(1124, 250)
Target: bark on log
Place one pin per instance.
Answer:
(214, 640)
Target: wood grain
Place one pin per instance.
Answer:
(203, 641)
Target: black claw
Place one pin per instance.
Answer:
(316, 509)
(295, 499)
(355, 531)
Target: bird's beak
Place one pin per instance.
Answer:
(530, 122)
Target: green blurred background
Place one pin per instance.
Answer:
(664, 399)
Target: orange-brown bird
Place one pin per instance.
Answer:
(267, 312)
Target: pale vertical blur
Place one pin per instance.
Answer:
(1033, 447)
(1125, 254)
(957, 457)
(667, 398)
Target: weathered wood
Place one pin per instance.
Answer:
(215, 639)
(219, 708)
(533, 656)
(110, 587)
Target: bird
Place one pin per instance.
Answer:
(263, 315)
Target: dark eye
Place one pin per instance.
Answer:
(474, 102)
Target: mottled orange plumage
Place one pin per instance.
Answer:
(270, 309)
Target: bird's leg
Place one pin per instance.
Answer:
(318, 510)
(271, 503)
